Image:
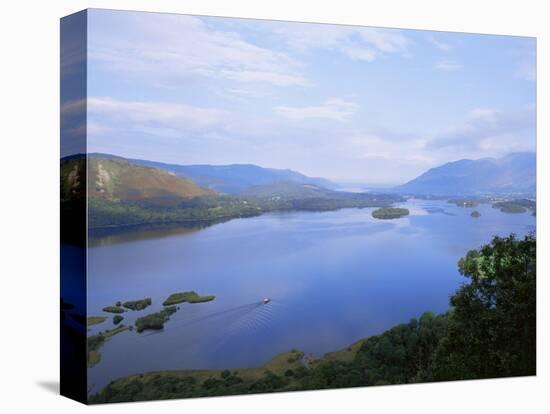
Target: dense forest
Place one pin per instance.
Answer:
(489, 331)
(110, 213)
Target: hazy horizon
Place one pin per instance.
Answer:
(341, 182)
(347, 103)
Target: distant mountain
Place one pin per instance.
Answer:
(119, 180)
(233, 178)
(512, 174)
(123, 193)
(289, 190)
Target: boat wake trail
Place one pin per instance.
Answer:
(233, 314)
(256, 321)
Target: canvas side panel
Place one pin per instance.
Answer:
(73, 181)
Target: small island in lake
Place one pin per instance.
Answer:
(94, 320)
(388, 213)
(113, 309)
(190, 297)
(516, 206)
(475, 214)
(117, 319)
(137, 305)
(156, 320)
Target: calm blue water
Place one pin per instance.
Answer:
(334, 277)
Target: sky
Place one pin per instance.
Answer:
(349, 103)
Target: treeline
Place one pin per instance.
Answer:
(111, 213)
(107, 213)
(489, 331)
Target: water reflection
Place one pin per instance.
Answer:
(114, 235)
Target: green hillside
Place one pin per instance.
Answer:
(123, 194)
(116, 179)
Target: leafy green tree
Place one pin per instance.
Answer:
(492, 330)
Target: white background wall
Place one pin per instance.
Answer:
(29, 151)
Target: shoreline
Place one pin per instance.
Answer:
(202, 223)
(279, 364)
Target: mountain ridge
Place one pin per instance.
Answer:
(229, 178)
(117, 179)
(514, 173)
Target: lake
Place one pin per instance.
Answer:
(333, 277)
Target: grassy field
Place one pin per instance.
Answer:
(284, 372)
(278, 365)
(346, 354)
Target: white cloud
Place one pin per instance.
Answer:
(385, 40)
(359, 52)
(366, 145)
(448, 65)
(360, 154)
(490, 131)
(444, 47)
(181, 47)
(245, 92)
(277, 79)
(156, 114)
(340, 102)
(332, 108)
(357, 43)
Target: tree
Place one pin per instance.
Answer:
(492, 326)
